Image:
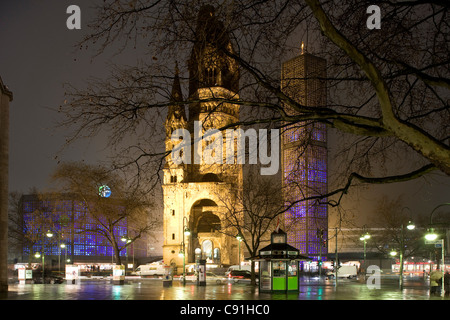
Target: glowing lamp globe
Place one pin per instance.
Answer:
(431, 236)
(104, 191)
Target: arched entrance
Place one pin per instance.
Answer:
(205, 240)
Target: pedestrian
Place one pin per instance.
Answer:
(435, 282)
(447, 283)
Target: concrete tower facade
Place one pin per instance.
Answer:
(6, 97)
(304, 157)
(193, 190)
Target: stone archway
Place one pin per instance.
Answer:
(205, 226)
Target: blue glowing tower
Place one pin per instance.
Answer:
(304, 157)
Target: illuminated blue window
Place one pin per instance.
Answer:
(70, 222)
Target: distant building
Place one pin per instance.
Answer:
(6, 97)
(304, 157)
(71, 224)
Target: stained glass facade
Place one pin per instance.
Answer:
(304, 157)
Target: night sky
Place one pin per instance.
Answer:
(38, 55)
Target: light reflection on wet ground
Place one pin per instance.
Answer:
(149, 289)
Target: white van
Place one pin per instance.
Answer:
(151, 269)
(346, 271)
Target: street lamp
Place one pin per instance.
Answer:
(182, 253)
(364, 237)
(239, 238)
(49, 234)
(128, 240)
(61, 246)
(410, 226)
(432, 236)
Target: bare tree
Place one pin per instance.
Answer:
(388, 88)
(27, 230)
(393, 218)
(126, 207)
(15, 224)
(252, 212)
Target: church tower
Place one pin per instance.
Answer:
(193, 192)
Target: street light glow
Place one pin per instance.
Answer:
(410, 226)
(431, 236)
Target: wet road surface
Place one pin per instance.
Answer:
(152, 289)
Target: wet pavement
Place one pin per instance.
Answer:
(148, 298)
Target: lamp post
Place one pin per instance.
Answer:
(49, 234)
(364, 237)
(127, 240)
(38, 255)
(431, 236)
(239, 238)
(410, 226)
(182, 253)
(62, 246)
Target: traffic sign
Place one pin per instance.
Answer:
(432, 241)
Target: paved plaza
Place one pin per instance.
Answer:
(147, 298)
(153, 289)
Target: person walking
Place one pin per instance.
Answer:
(435, 282)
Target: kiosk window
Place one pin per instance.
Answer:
(279, 268)
(292, 271)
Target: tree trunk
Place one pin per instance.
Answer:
(116, 251)
(253, 277)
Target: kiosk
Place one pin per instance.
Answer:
(25, 275)
(201, 279)
(168, 278)
(279, 264)
(119, 274)
(72, 273)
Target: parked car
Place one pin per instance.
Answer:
(236, 267)
(189, 277)
(237, 275)
(215, 278)
(51, 279)
(210, 277)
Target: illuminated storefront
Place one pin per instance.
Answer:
(417, 268)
